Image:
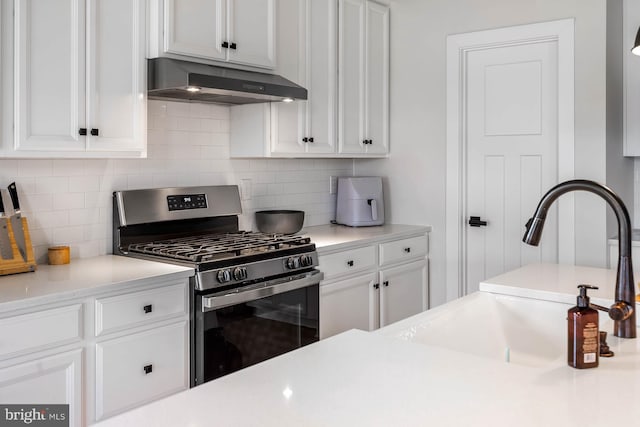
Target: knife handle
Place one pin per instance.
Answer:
(1, 205)
(13, 192)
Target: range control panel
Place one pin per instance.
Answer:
(187, 201)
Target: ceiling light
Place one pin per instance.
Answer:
(636, 45)
(287, 100)
(193, 88)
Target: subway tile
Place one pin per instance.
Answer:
(67, 235)
(52, 184)
(68, 167)
(50, 219)
(84, 216)
(34, 168)
(68, 201)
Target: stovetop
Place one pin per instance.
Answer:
(218, 247)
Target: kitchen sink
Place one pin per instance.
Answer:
(512, 329)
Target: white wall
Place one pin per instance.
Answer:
(416, 167)
(69, 201)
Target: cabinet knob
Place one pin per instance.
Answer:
(305, 139)
(407, 250)
(385, 283)
(225, 45)
(311, 139)
(350, 263)
(233, 46)
(376, 286)
(82, 131)
(148, 369)
(95, 132)
(148, 308)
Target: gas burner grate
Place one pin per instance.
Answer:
(210, 247)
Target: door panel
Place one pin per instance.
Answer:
(49, 74)
(252, 29)
(196, 27)
(403, 292)
(348, 304)
(512, 127)
(377, 79)
(117, 75)
(351, 78)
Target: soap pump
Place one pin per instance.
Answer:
(583, 337)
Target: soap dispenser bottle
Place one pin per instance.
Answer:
(583, 334)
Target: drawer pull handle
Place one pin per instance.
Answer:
(350, 263)
(407, 250)
(148, 308)
(148, 369)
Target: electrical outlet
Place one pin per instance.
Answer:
(333, 184)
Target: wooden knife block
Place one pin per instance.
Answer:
(17, 264)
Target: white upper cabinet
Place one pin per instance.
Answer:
(331, 122)
(631, 108)
(237, 31)
(307, 126)
(78, 79)
(363, 85)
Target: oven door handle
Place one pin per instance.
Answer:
(266, 289)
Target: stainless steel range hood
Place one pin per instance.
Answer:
(176, 80)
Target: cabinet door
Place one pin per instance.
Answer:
(117, 81)
(251, 32)
(631, 82)
(196, 28)
(403, 291)
(377, 78)
(348, 304)
(307, 56)
(288, 120)
(50, 380)
(49, 77)
(351, 80)
(138, 368)
(321, 75)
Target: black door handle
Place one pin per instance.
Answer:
(475, 221)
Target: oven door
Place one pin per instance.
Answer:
(237, 329)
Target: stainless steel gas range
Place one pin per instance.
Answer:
(253, 296)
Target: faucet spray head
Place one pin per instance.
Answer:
(533, 231)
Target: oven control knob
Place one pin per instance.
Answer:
(224, 276)
(293, 263)
(306, 260)
(240, 273)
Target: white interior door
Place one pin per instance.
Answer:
(511, 152)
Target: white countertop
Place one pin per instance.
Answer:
(361, 378)
(51, 283)
(335, 237)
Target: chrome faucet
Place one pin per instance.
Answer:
(623, 311)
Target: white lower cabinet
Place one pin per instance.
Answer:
(373, 285)
(356, 301)
(55, 379)
(403, 291)
(101, 354)
(137, 368)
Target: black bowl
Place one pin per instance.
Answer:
(279, 221)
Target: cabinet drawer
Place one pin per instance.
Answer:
(138, 368)
(121, 311)
(41, 330)
(348, 261)
(404, 249)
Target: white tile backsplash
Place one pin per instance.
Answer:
(68, 201)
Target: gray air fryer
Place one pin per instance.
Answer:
(360, 202)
